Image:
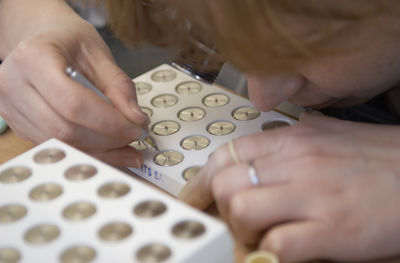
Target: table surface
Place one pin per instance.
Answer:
(11, 146)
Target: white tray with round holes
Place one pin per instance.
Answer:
(164, 92)
(58, 204)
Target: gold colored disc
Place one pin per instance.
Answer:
(79, 211)
(216, 100)
(274, 125)
(80, 172)
(262, 257)
(165, 128)
(49, 156)
(42, 234)
(164, 101)
(168, 158)
(192, 114)
(116, 231)
(246, 114)
(153, 253)
(195, 143)
(45, 192)
(138, 145)
(191, 171)
(150, 209)
(9, 255)
(163, 75)
(12, 213)
(188, 229)
(221, 128)
(142, 88)
(113, 190)
(15, 174)
(148, 111)
(188, 87)
(78, 254)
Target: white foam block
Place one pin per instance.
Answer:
(58, 204)
(164, 80)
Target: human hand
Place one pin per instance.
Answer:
(328, 189)
(39, 101)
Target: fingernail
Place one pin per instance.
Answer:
(139, 163)
(133, 133)
(137, 110)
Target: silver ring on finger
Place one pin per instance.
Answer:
(252, 173)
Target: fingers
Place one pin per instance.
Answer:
(80, 105)
(123, 157)
(299, 241)
(197, 192)
(235, 179)
(257, 209)
(116, 85)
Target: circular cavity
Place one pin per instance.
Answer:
(49, 156)
(15, 174)
(150, 209)
(188, 229)
(45, 192)
(9, 255)
(115, 231)
(114, 190)
(188, 87)
(165, 128)
(189, 172)
(42, 234)
(80, 172)
(195, 143)
(246, 113)
(79, 211)
(164, 75)
(192, 114)
(216, 100)
(12, 213)
(168, 158)
(78, 254)
(164, 101)
(221, 128)
(148, 111)
(274, 125)
(153, 253)
(138, 145)
(142, 88)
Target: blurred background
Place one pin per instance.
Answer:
(142, 59)
(139, 60)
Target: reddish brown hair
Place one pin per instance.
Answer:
(254, 35)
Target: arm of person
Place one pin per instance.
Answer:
(329, 189)
(39, 39)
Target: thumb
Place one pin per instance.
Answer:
(116, 85)
(298, 241)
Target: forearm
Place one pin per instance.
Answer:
(20, 19)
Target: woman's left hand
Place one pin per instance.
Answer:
(328, 189)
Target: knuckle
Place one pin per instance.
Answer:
(73, 105)
(218, 189)
(238, 208)
(26, 50)
(123, 80)
(65, 133)
(276, 242)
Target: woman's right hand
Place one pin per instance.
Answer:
(39, 101)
